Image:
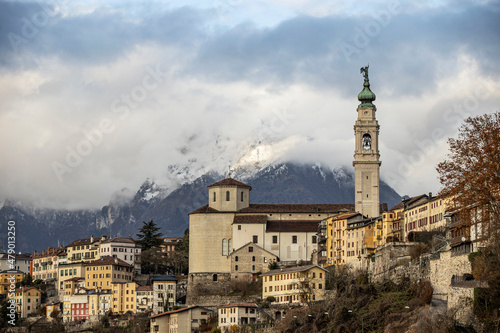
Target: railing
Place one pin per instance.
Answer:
(459, 239)
(338, 248)
(379, 226)
(467, 284)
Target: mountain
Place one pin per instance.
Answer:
(37, 229)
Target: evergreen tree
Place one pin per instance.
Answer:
(149, 236)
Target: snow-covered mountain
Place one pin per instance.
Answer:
(36, 229)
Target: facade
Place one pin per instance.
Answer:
(50, 308)
(144, 298)
(20, 262)
(71, 286)
(124, 297)
(84, 249)
(164, 292)
(99, 303)
(169, 244)
(45, 264)
(250, 261)
(237, 314)
(79, 307)
(366, 154)
(103, 272)
(27, 300)
(125, 249)
(8, 280)
(184, 320)
(229, 222)
(299, 285)
(69, 271)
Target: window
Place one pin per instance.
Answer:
(236, 267)
(215, 196)
(241, 196)
(255, 239)
(228, 196)
(253, 258)
(239, 227)
(294, 239)
(314, 239)
(214, 277)
(250, 249)
(236, 258)
(275, 239)
(224, 247)
(253, 267)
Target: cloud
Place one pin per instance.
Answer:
(171, 91)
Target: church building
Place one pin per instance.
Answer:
(230, 238)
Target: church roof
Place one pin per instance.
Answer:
(230, 182)
(242, 219)
(284, 208)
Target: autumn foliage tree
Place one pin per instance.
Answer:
(471, 175)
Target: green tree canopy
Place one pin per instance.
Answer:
(149, 236)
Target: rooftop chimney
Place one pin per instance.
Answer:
(91, 238)
(430, 195)
(103, 237)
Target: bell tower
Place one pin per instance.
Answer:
(366, 154)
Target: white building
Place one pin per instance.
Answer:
(125, 249)
(164, 292)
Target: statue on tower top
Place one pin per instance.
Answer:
(364, 71)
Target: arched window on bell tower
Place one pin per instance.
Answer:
(228, 196)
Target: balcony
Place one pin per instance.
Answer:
(338, 257)
(379, 237)
(459, 240)
(338, 248)
(379, 226)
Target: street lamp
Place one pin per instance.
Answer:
(362, 325)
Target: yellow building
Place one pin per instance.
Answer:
(424, 213)
(71, 286)
(144, 298)
(46, 263)
(69, 271)
(27, 300)
(8, 280)
(299, 284)
(103, 272)
(123, 297)
(99, 303)
(50, 308)
(85, 249)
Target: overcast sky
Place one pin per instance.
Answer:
(96, 96)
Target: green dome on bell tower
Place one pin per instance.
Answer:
(366, 96)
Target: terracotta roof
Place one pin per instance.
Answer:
(107, 260)
(144, 288)
(51, 251)
(345, 216)
(12, 271)
(291, 270)
(285, 208)
(119, 240)
(18, 290)
(177, 311)
(230, 182)
(76, 278)
(292, 226)
(84, 241)
(246, 305)
(241, 219)
(254, 245)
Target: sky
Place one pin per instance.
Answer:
(98, 96)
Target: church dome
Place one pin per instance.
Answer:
(366, 96)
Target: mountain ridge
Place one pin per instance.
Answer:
(281, 183)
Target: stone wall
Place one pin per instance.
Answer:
(442, 268)
(460, 304)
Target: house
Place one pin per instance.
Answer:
(53, 307)
(249, 261)
(124, 297)
(301, 284)
(15, 261)
(164, 292)
(103, 272)
(185, 320)
(99, 303)
(27, 300)
(45, 264)
(125, 249)
(8, 280)
(79, 308)
(237, 314)
(84, 249)
(144, 298)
